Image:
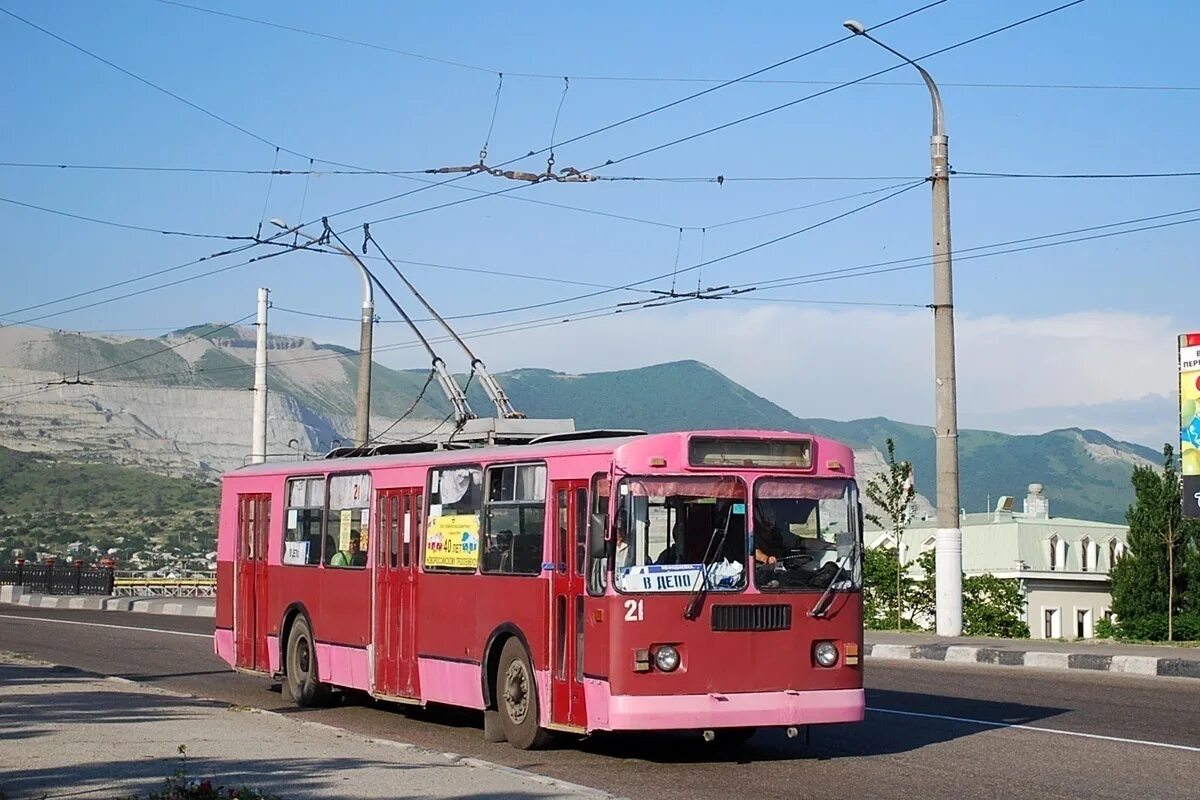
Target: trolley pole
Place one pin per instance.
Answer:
(949, 534)
(258, 442)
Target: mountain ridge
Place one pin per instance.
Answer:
(177, 404)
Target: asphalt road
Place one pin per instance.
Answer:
(934, 730)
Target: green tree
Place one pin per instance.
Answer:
(991, 606)
(892, 492)
(1150, 583)
(881, 577)
(922, 595)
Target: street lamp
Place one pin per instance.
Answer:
(362, 411)
(949, 534)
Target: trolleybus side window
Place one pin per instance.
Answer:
(597, 570)
(304, 521)
(515, 522)
(454, 512)
(581, 525)
(348, 522)
(564, 519)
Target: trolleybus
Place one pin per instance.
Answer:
(698, 581)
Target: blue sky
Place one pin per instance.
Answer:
(1044, 336)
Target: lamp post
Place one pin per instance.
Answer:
(949, 534)
(362, 410)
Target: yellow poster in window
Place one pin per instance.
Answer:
(453, 541)
(347, 521)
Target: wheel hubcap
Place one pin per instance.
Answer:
(302, 657)
(516, 692)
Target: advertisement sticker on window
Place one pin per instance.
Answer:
(453, 541)
(346, 523)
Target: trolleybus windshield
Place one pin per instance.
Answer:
(805, 530)
(676, 534)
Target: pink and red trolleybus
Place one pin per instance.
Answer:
(706, 581)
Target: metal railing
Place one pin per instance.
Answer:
(196, 585)
(58, 578)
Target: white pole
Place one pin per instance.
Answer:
(258, 448)
(948, 573)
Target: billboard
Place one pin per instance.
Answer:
(1189, 421)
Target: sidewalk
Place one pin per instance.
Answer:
(175, 606)
(1089, 654)
(70, 733)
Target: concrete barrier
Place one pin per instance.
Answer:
(179, 607)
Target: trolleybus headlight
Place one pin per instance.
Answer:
(825, 653)
(666, 658)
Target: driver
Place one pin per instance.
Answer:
(768, 538)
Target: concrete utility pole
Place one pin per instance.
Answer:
(362, 406)
(258, 440)
(949, 534)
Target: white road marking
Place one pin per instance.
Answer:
(103, 625)
(945, 717)
(1039, 729)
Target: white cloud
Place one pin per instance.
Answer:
(848, 363)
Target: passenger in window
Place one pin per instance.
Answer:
(354, 557)
(671, 553)
(624, 553)
(358, 556)
(502, 551)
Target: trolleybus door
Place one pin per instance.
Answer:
(566, 604)
(398, 514)
(250, 586)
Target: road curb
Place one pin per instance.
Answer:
(1037, 659)
(170, 606)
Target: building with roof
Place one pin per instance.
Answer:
(1062, 564)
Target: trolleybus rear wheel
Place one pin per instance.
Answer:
(302, 680)
(517, 699)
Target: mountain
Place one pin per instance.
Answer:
(1085, 472)
(87, 510)
(178, 405)
(676, 396)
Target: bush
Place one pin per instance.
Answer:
(1187, 627)
(1153, 627)
(1146, 626)
(1105, 629)
(993, 607)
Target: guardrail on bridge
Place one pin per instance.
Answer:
(193, 586)
(58, 578)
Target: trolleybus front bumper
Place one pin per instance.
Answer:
(717, 710)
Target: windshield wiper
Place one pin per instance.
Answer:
(692, 609)
(822, 605)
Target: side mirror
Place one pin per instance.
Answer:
(597, 547)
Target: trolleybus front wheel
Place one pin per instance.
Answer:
(302, 681)
(517, 699)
